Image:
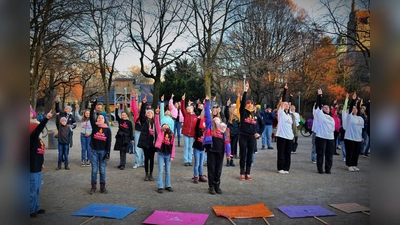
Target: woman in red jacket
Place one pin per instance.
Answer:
(188, 132)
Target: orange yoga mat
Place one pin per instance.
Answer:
(248, 211)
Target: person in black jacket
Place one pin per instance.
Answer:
(248, 134)
(36, 159)
(147, 138)
(101, 145)
(124, 136)
(67, 113)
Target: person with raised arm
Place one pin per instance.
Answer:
(248, 134)
(353, 124)
(189, 124)
(147, 139)
(100, 144)
(324, 135)
(284, 135)
(124, 136)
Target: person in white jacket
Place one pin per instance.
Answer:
(324, 135)
(353, 124)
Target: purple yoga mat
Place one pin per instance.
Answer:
(305, 211)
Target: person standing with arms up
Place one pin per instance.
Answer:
(124, 136)
(189, 124)
(353, 124)
(101, 145)
(284, 135)
(324, 135)
(147, 139)
(247, 134)
(86, 133)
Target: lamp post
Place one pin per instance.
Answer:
(299, 102)
(244, 81)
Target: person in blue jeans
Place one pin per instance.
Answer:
(64, 141)
(139, 155)
(36, 159)
(86, 133)
(268, 116)
(101, 146)
(165, 146)
(198, 150)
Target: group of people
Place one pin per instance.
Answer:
(207, 136)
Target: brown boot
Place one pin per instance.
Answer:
(202, 178)
(103, 188)
(93, 189)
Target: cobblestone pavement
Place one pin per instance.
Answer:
(66, 191)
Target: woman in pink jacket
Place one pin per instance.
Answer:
(166, 152)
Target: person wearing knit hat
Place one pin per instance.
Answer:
(36, 164)
(100, 144)
(64, 141)
(216, 142)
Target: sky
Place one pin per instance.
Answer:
(129, 57)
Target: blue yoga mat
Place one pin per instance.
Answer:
(105, 210)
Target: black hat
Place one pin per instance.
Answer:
(268, 106)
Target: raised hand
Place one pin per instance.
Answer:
(144, 99)
(172, 95)
(49, 115)
(286, 86)
(246, 87)
(184, 96)
(354, 96)
(228, 102)
(347, 95)
(162, 97)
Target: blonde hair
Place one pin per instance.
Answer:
(231, 115)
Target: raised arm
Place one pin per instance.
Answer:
(244, 98)
(134, 108)
(162, 110)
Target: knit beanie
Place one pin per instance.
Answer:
(63, 119)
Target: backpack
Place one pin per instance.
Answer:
(309, 123)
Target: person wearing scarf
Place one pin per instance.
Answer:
(248, 134)
(100, 144)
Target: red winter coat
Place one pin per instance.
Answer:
(189, 122)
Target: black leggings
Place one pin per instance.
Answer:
(234, 144)
(149, 157)
(246, 144)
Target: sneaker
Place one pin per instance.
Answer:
(186, 164)
(202, 178)
(211, 190)
(242, 177)
(83, 163)
(248, 177)
(195, 180)
(286, 171)
(281, 171)
(293, 152)
(351, 169)
(270, 147)
(160, 190)
(169, 189)
(122, 168)
(314, 161)
(41, 211)
(355, 168)
(134, 167)
(366, 156)
(190, 164)
(33, 215)
(344, 160)
(87, 162)
(263, 147)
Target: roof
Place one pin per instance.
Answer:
(145, 90)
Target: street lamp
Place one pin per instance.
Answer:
(244, 81)
(299, 102)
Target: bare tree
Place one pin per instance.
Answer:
(157, 29)
(211, 22)
(100, 30)
(49, 22)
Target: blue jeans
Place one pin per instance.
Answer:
(187, 149)
(366, 150)
(343, 150)
(35, 186)
(139, 158)
(198, 162)
(85, 144)
(130, 147)
(266, 136)
(98, 164)
(177, 130)
(164, 160)
(364, 143)
(63, 150)
(313, 151)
